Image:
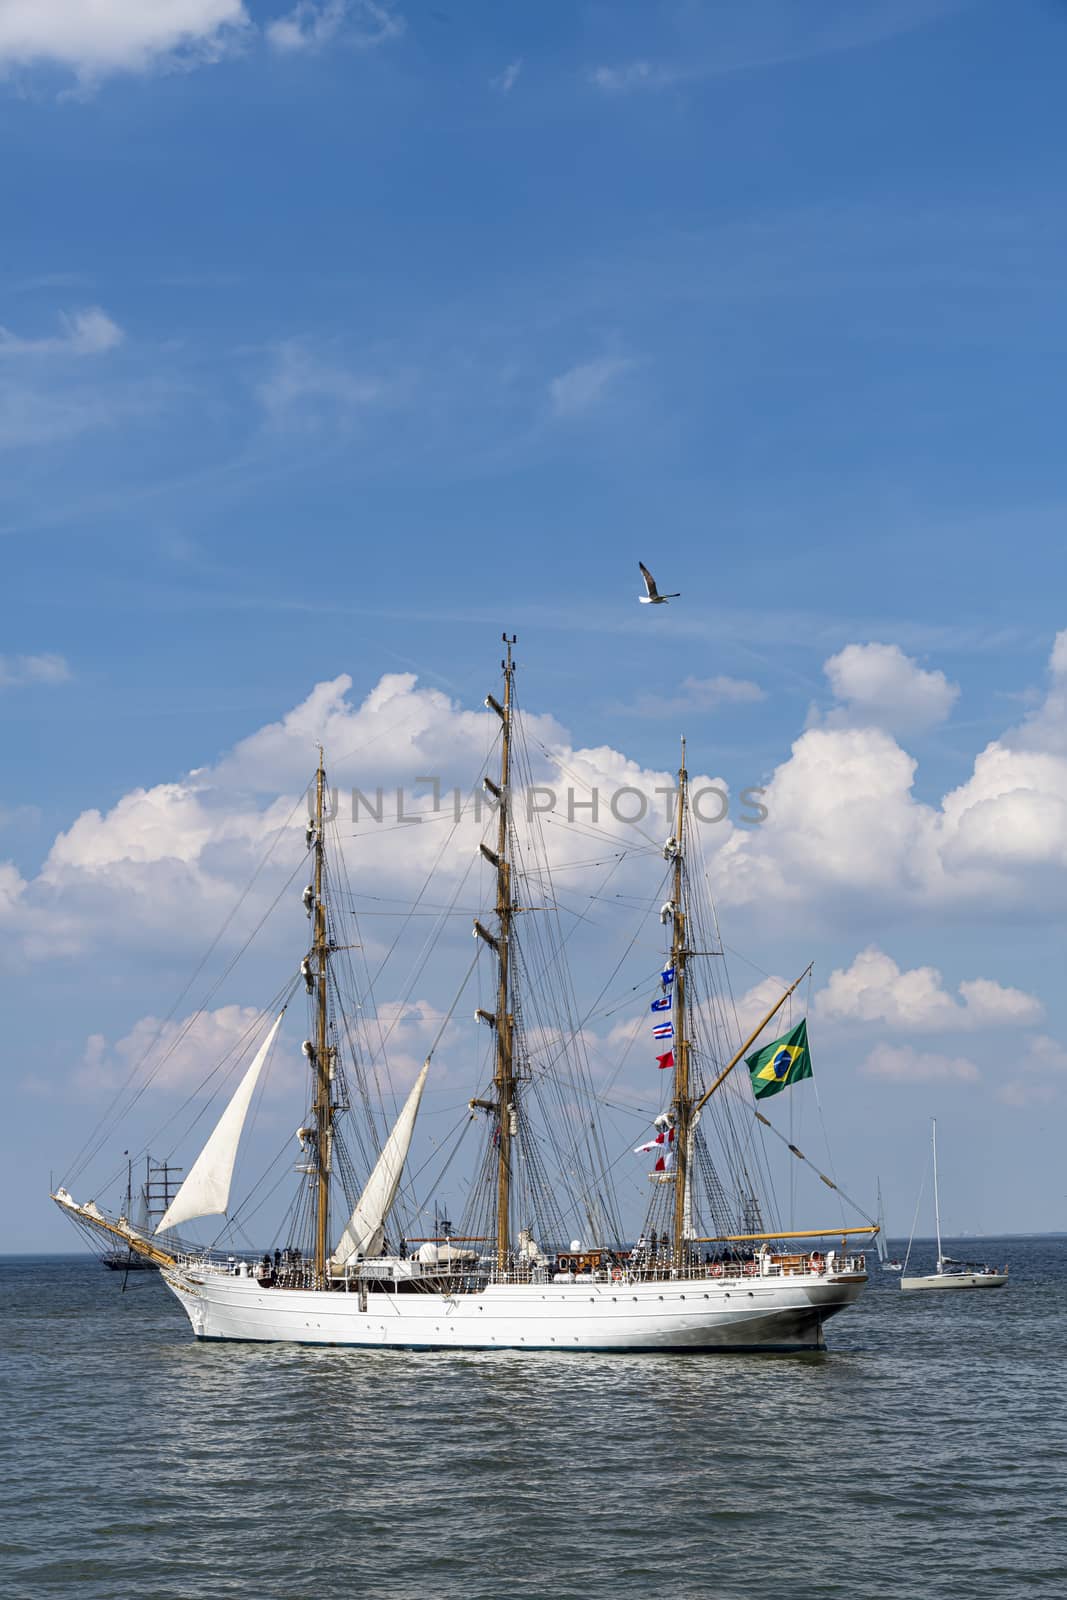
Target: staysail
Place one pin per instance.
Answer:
(366, 1227)
(206, 1191)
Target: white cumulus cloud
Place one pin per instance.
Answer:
(846, 831)
(177, 1054)
(874, 989)
(93, 38)
(845, 839)
(163, 863)
(879, 686)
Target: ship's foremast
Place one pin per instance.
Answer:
(503, 1105)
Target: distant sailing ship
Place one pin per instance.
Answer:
(950, 1273)
(888, 1263)
(709, 1271)
(153, 1197)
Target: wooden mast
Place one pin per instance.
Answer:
(323, 1106)
(504, 1074)
(683, 1107)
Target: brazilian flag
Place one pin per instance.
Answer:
(778, 1065)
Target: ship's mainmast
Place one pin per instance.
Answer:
(683, 1102)
(323, 1107)
(503, 1104)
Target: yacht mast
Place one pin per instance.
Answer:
(321, 1062)
(937, 1199)
(683, 1104)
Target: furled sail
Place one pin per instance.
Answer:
(366, 1227)
(206, 1191)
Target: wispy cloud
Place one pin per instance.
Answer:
(89, 332)
(54, 387)
(902, 1064)
(698, 694)
(505, 81)
(16, 672)
(582, 388)
(771, 38)
(36, 415)
(313, 24)
(1042, 1074)
(637, 75)
(302, 391)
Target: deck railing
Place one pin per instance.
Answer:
(624, 1269)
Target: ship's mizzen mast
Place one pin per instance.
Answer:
(323, 1106)
(682, 1105)
(504, 1022)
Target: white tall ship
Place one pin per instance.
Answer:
(539, 1260)
(950, 1273)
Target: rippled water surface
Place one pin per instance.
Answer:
(924, 1455)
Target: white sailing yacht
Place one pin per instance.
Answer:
(709, 1273)
(950, 1273)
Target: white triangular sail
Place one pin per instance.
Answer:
(366, 1227)
(206, 1191)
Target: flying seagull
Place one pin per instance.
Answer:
(653, 597)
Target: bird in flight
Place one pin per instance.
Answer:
(653, 597)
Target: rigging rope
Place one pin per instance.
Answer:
(829, 1182)
(82, 1159)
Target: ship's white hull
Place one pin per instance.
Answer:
(693, 1314)
(955, 1280)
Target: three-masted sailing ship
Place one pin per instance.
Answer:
(539, 1259)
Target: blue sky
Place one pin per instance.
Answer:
(337, 339)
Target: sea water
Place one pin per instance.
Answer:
(924, 1455)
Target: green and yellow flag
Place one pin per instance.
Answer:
(778, 1065)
